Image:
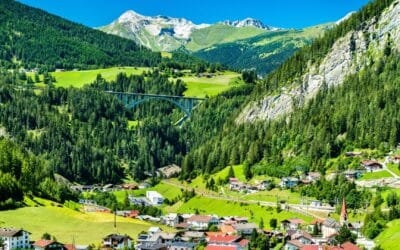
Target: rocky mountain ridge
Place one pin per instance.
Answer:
(348, 55)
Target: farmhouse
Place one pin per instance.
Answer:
(48, 245)
(115, 241)
(14, 238)
(371, 165)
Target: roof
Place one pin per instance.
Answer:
(170, 170)
(245, 226)
(200, 218)
(227, 229)
(166, 236)
(117, 237)
(370, 163)
(183, 244)
(296, 221)
(182, 225)
(244, 243)
(10, 232)
(43, 243)
(301, 234)
(69, 246)
(223, 238)
(193, 234)
(329, 222)
(220, 247)
(346, 246)
(310, 247)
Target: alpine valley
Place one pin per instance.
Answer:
(155, 133)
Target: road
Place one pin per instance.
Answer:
(298, 208)
(387, 169)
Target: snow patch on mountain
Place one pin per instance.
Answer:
(249, 22)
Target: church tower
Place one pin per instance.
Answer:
(343, 214)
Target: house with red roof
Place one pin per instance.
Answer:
(213, 247)
(48, 245)
(223, 239)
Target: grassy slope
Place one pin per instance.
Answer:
(66, 224)
(168, 191)
(376, 175)
(394, 168)
(197, 86)
(226, 208)
(218, 34)
(390, 237)
(203, 86)
(78, 79)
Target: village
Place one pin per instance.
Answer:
(210, 231)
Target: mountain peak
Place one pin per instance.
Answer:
(249, 22)
(130, 16)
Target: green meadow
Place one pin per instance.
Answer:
(79, 79)
(68, 224)
(230, 208)
(390, 237)
(197, 86)
(376, 175)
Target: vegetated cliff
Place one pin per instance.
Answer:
(348, 55)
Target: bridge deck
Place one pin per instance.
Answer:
(155, 95)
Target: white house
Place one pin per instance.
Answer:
(155, 198)
(14, 238)
(171, 219)
(201, 222)
(330, 227)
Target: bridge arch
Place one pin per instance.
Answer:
(136, 103)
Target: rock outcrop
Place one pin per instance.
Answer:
(346, 57)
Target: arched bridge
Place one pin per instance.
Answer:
(186, 104)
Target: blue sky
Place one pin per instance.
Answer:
(278, 13)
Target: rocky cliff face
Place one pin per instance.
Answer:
(347, 56)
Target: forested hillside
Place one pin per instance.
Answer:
(32, 38)
(83, 134)
(264, 52)
(362, 112)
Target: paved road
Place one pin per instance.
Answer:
(387, 169)
(303, 209)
